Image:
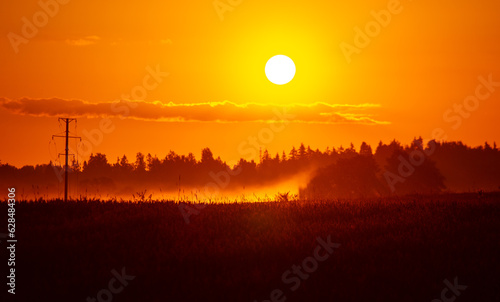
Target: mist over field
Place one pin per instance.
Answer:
(392, 169)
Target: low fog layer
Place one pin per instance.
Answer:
(300, 173)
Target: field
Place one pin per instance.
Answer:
(391, 249)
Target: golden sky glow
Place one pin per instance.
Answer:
(174, 75)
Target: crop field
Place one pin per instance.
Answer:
(411, 248)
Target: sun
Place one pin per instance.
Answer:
(280, 69)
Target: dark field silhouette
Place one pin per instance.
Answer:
(391, 249)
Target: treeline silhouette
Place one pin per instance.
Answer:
(334, 173)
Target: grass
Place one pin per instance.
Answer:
(392, 249)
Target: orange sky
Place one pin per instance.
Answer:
(80, 57)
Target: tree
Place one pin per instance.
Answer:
(207, 156)
(277, 157)
(293, 154)
(125, 164)
(365, 149)
(265, 156)
(417, 144)
(411, 178)
(349, 177)
(153, 163)
(302, 151)
(283, 157)
(140, 163)
(97, 165)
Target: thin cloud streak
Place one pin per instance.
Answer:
(90, 40)
(221, 112)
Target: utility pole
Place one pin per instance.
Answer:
(66, 153)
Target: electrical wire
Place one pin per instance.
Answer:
(77, 162)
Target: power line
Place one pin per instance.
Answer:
(66, 153)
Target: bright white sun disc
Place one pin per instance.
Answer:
(280, 69)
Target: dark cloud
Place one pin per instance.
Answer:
(201, 112)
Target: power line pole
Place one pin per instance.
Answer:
(66, 153)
